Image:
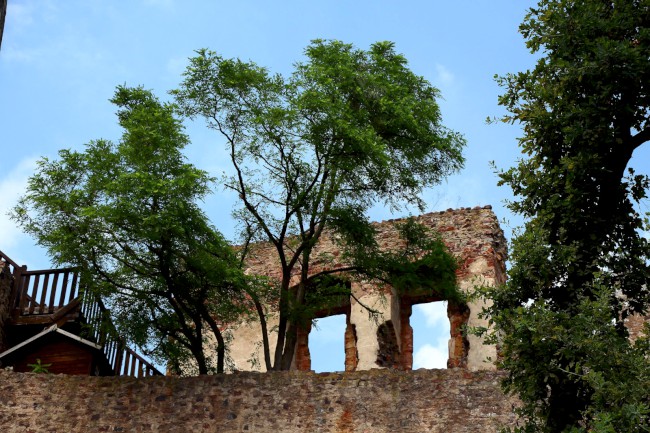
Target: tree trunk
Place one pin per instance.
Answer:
(221, 344)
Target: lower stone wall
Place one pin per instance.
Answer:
(375, 401)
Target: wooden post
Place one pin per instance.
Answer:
(6, 301)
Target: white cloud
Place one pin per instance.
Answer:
(23, 55)
(448, 84)
(429, 356)
(20, 20)
(12, 186)
(435, 314)
(431, 335)
(444, 77)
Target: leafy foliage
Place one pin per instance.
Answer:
(582, 265)
(38, 367)
(422, 265)
(126, 214)
(348, 129)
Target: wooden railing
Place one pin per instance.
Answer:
(46, 292)
(43, 291)
(123, 360)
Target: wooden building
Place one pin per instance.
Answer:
(46, 319)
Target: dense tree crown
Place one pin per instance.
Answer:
(581, 265)
(127, 215)
(314, 150)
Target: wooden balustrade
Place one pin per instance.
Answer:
(48, 292)
(134, 365)
(123, 360)
(44, 291)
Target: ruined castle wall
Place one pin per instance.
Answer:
(368, 346)
(473, 236)
(376, 401)
(245, 347)
(479, 354)
(636, 325)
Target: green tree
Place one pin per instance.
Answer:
(127, 215)
(347, 129)
(581, 265)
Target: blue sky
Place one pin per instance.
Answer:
(60, 62)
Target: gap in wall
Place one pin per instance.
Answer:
(430, 335)
(327, 344)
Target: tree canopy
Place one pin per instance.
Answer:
(315, 150)
(127, 215)
(581, 266)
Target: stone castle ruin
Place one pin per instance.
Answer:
(472, 235)
(376, 394)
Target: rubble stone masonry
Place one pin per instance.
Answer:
(472, 235)
(374, 401)
(636, 325)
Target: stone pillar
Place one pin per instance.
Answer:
(406, 336)
(366, 329)
(301, 356)
(351, 352)
(458, 343)
(480, 356)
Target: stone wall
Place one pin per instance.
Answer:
(376, 401)
(472, 235)
(636, 325)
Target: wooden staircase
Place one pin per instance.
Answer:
(43, 298)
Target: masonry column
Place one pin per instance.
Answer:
(406, 336)
(478, 353)
(301, 356)
(367, 329)
(351, 351)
